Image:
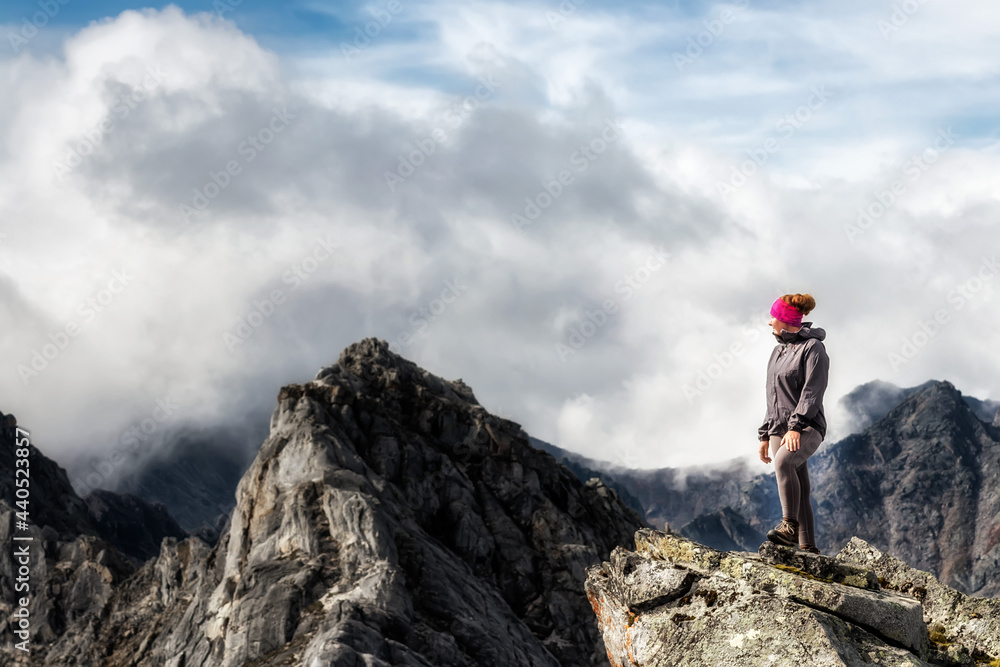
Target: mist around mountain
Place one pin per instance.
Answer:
(870, 402)
(132, 525)
(586, 469)
(192, 471)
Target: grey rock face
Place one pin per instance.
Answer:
(963, 629)
(388, 519)
(676, 602)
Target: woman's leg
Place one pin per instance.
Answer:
(810, 440)
(786, 465)
(806, 537)
(788, 481)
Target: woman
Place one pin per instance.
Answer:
(797, 375)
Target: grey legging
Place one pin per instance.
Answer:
(793, 480)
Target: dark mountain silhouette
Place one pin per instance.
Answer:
(134, 526)
(192, 471)
(130, 524)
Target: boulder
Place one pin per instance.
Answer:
(962, 629)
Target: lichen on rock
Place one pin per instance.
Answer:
(676, 602)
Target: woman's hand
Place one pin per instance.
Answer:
(765, 445)
(791, 440)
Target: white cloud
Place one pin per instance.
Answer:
(621, 395)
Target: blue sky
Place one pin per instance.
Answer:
(846, 149)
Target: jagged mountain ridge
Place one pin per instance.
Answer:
(104, 604)
(388, 519)
(870, 402)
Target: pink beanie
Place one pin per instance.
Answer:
(787, 313)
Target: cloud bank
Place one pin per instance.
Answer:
(576, 211)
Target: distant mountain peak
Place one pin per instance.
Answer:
(872, 401)
(371, 361)
(933, 407)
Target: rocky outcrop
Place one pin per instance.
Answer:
(673, 602)
(388, 519)
(962, 630)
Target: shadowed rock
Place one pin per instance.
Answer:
(130, 524)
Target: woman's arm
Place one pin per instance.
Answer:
(817, 374)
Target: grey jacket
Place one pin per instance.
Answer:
(797, 375)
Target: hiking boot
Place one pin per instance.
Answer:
(810, 548)
(785, 533)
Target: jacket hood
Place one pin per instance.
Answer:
(807, 331)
